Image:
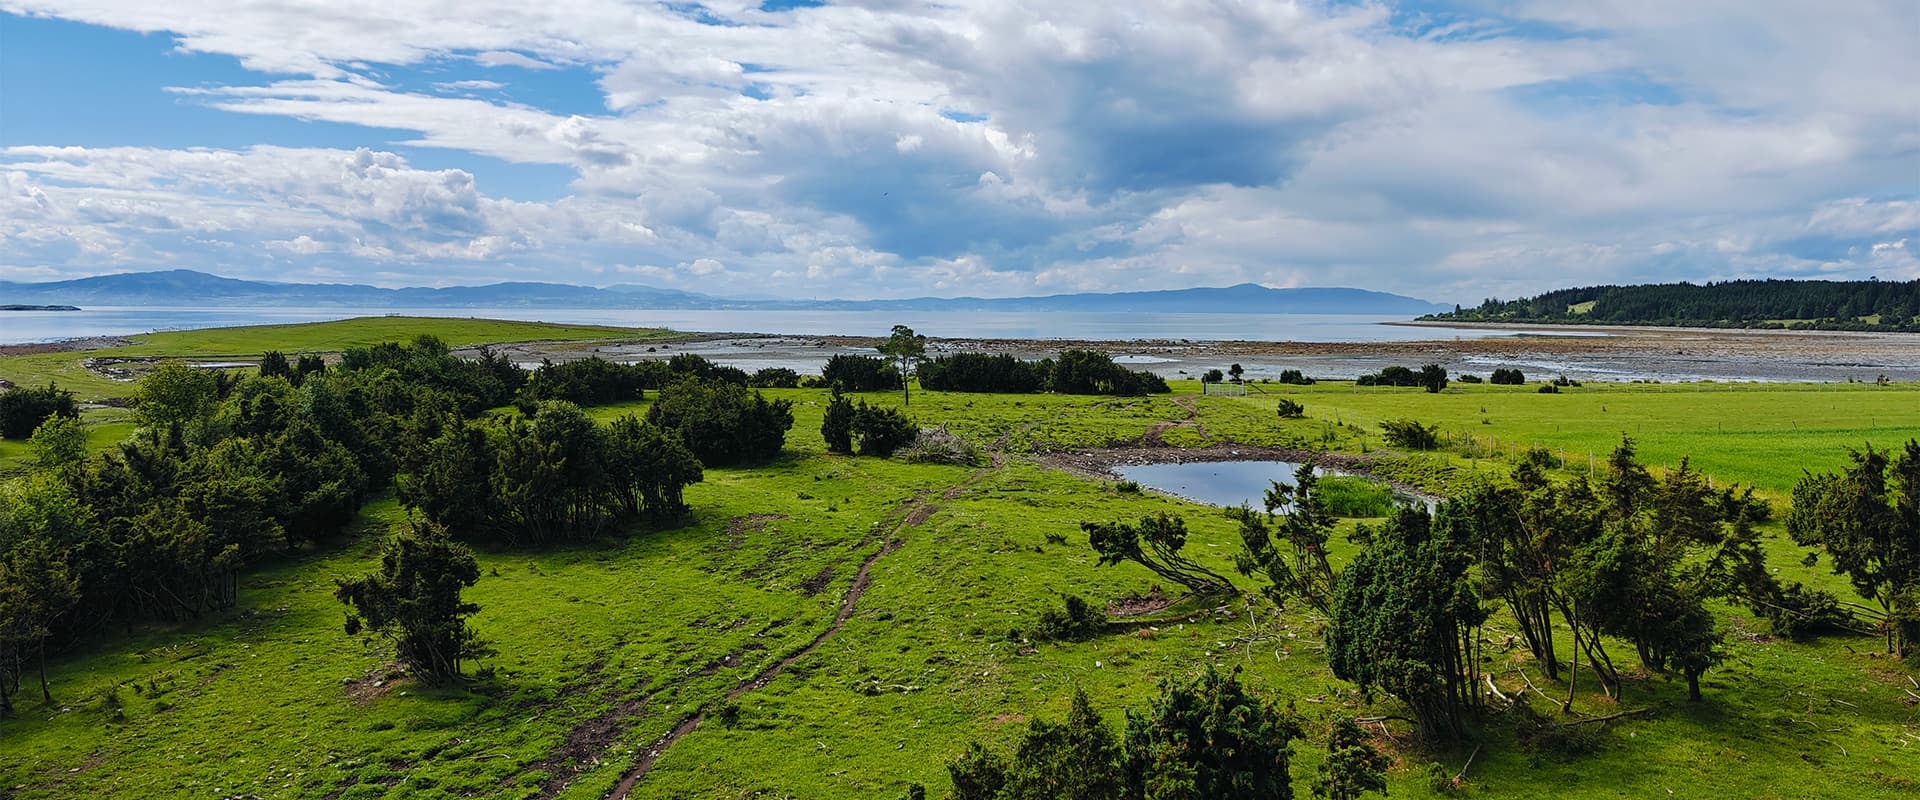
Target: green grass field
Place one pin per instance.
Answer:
(610, 646)
(1759, 434)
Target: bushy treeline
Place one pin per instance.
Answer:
(226, 470)
(552, 477)
(980, 372)
(1431, 377)
(851, 373)
(1073, 372)
(1745, 303)
(596, 381)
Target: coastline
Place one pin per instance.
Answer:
(1611, 329)
(1598, 353)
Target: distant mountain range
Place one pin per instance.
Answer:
(186, 288)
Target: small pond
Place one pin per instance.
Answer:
(1224, 483)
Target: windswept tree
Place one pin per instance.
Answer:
(414, 601)
(905, 348)
(1867, 518)
(1300, 571)
(1404, 618)
(1155, 543)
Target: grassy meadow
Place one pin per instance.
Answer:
(601, 650)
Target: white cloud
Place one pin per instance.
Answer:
(469, 85)
(1009, 147)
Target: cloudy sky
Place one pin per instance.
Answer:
(884, 148)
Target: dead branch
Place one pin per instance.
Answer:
(1496, 690)
(1610, 717)
(1463, 767)
(1564, 708)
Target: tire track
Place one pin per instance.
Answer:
(908, 515)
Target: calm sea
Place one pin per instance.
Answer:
(18, 327)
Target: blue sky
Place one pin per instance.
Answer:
(1446, 150)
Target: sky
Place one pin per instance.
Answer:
(1451, 151)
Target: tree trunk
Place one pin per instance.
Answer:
(45, 693)
(1693, 686)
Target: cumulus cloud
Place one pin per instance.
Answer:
(1009, 147)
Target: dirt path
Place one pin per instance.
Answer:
(1152, 438)
(910, 514)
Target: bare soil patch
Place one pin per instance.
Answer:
(818, 583)
(1139, 604)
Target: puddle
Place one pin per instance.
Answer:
(1227, 483)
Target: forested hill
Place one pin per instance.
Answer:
(1816, 305)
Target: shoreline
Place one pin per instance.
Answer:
(1616, 354)
(1618, 328)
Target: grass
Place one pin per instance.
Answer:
(105, 428)
(1347, 496)
(1758, 434)
(273, 699)
(329, 337)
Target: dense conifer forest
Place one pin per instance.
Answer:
(1870, 305)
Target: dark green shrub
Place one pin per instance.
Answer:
(979, 372)
(836, 427)
(1091, 372)
(722, 422)
(1411, 434)
(880, 431)
(1075, 620)
(860, 373)
(774, 378)
(1508, 377)
(22, 409)
(1289, 409)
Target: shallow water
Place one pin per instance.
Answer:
(18, 327)
(1216, 483)
(1228, 483)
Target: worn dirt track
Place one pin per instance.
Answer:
(910, 514)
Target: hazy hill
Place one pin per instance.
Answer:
(175, 288)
